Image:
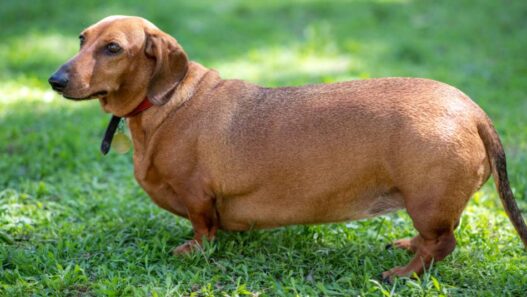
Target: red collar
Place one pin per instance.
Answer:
(144, 105)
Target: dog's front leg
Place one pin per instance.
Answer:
(202, 214)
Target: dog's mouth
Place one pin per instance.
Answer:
(99, 95)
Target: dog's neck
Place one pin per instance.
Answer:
(143, 124)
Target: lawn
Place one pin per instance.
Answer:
(75, 223)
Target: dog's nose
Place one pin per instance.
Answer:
(59, 80)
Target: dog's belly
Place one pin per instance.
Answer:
(257, 211)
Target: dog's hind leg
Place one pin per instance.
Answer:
(435, 218)
(434, 248)
(409, 244)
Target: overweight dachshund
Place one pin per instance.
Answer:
(231, 155)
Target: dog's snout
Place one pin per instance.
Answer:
(59, 80)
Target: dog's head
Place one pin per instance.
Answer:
(121, 60)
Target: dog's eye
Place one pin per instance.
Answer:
(81, 39)
(113, 48)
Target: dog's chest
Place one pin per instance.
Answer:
(159, 190)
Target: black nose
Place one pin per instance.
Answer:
(59, 80)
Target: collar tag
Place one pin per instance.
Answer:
(121, 141)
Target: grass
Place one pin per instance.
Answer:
(74, 223)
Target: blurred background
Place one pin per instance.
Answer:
(63, 205)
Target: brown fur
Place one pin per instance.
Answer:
(228, 154)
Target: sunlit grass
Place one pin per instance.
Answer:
(274, 64)
(16, 92)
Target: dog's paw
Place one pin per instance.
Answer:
(389, 276)
(386, 280)
(405, 244)
(186, 248)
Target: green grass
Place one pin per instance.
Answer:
(74, 223)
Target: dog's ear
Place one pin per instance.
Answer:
(171, 64)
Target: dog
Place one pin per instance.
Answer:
(232, 155)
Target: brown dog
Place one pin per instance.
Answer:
(232, 155)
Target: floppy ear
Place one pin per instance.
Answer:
(171, 64)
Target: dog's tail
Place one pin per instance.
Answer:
(496, 156)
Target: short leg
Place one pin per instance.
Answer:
(426, 251)
(202, 214)
(435, 220)
(202, 229)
